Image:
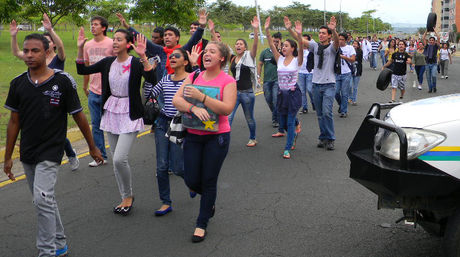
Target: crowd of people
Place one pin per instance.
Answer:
(291, 71)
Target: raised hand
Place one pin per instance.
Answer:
(267, 23)
(211, 26)
(202, 17)
(287, 22)
(332, 23)
(141, 45)
(255, 22)
(298, 27)
(13, 28)
(122, 20)
(194, 55)
(81, 38)
(46, 22)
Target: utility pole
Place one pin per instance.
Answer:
(260, 23)
(341, 22)
(325, 12)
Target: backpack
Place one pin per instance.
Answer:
(338, 64)
(310, 62)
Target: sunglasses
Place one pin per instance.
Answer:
(176, 55)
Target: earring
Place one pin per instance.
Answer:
(128, 46)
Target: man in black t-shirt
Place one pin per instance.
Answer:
(39, 101)
(400, 59)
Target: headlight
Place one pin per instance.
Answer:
(419, 141)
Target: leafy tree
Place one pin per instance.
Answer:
(56, 9)
(8, 9)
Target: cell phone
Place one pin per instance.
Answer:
(155, 59)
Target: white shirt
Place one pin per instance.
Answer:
(444, 54)
(348, 51)
(287, 74)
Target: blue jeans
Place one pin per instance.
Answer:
(305, 84)
(289, 121)
(342, 84)
(373, 59)
(203, 159)
(354, 88)
(431, 72)
(382, 57)
(271, 93)
(68, 149)
(95, 111)
(169, 157)
(420, 69)
(247, 99)
(323, 96)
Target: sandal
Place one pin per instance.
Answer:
(298, 128)
(278, 134)
(286, 154)
(295, 139)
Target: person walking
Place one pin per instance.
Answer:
(270, 85)
(95, 50)
(444, 59)
(243, 67)
(289, 96)
(431, 53)
(419, 63)
(54, 61)
(205, 151)
(121, 104)
(375, 44)
(392, 48)
(356, 75)
(342, 81)
(382, 48)
(40, 100)
(399, 60)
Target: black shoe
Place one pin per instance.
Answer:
(343, 115)
(124, 211)
(434, 90)
(321, 144)
(213, 211)
(429, 91)
(198, 239)
(305, 111)
(330, 145)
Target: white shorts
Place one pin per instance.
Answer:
(398, 81)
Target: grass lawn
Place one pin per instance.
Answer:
(10, 66)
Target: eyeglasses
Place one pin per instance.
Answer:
(176, 55)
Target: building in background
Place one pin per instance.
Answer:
(448, 14)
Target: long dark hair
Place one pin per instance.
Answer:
(392, 40)
(188, 67)
(293, 44)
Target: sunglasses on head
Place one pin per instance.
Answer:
(175, 55)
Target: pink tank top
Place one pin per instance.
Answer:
(222, 80)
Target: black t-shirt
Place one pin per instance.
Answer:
(399, 63)
(245, 82)
(43, 112)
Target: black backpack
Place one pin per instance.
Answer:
(338, 64)
(310, 62)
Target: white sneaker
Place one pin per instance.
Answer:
(414, 85)
(447, 77)
(419, 87)
(95, 164)
(442, 77)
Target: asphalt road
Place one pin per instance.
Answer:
(266, 206)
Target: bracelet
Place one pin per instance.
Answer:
(142, 60)
(204, 99)
(190, 109)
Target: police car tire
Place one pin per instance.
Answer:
(384, 79)
(431, 21)
(451, 242)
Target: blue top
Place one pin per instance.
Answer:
(168, 87)
(56, 63)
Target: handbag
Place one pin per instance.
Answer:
(176, 131)
(151, 110)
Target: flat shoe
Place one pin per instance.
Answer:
(278, 134)
(198, 239)
(159, 213)
(286, 155)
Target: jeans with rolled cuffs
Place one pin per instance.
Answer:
(203, 159)
(247, 100)
(323, 95)
(431, 73)
(305, 85)
(95, 111)
(271, 92)
(342, 83)
(170, 156)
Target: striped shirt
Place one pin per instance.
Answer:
(375, 46)
(169, 88)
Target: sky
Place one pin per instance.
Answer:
(391, 11)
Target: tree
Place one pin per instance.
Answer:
(162, 12)
(108, 8)
(8, 9)
(55, 9)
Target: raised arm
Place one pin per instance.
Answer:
(275, 52)
(56, 39)
(335, 37)
(212, 30)
(196, 37)
(298, 30)
(288, 25)
(255, 25)
(424, 38)
(14, 40)
(438, 38)
(82, 69)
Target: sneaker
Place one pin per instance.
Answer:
(95, 164)
(275, 124)
(419, 87)
(62, 252)
(442, 77)
(321, 144)
(251, 143)
(74, 163)
(330, 145)
(354, 103)
(305, 111)
(343, 115)
(414, 84)
(447, 77)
